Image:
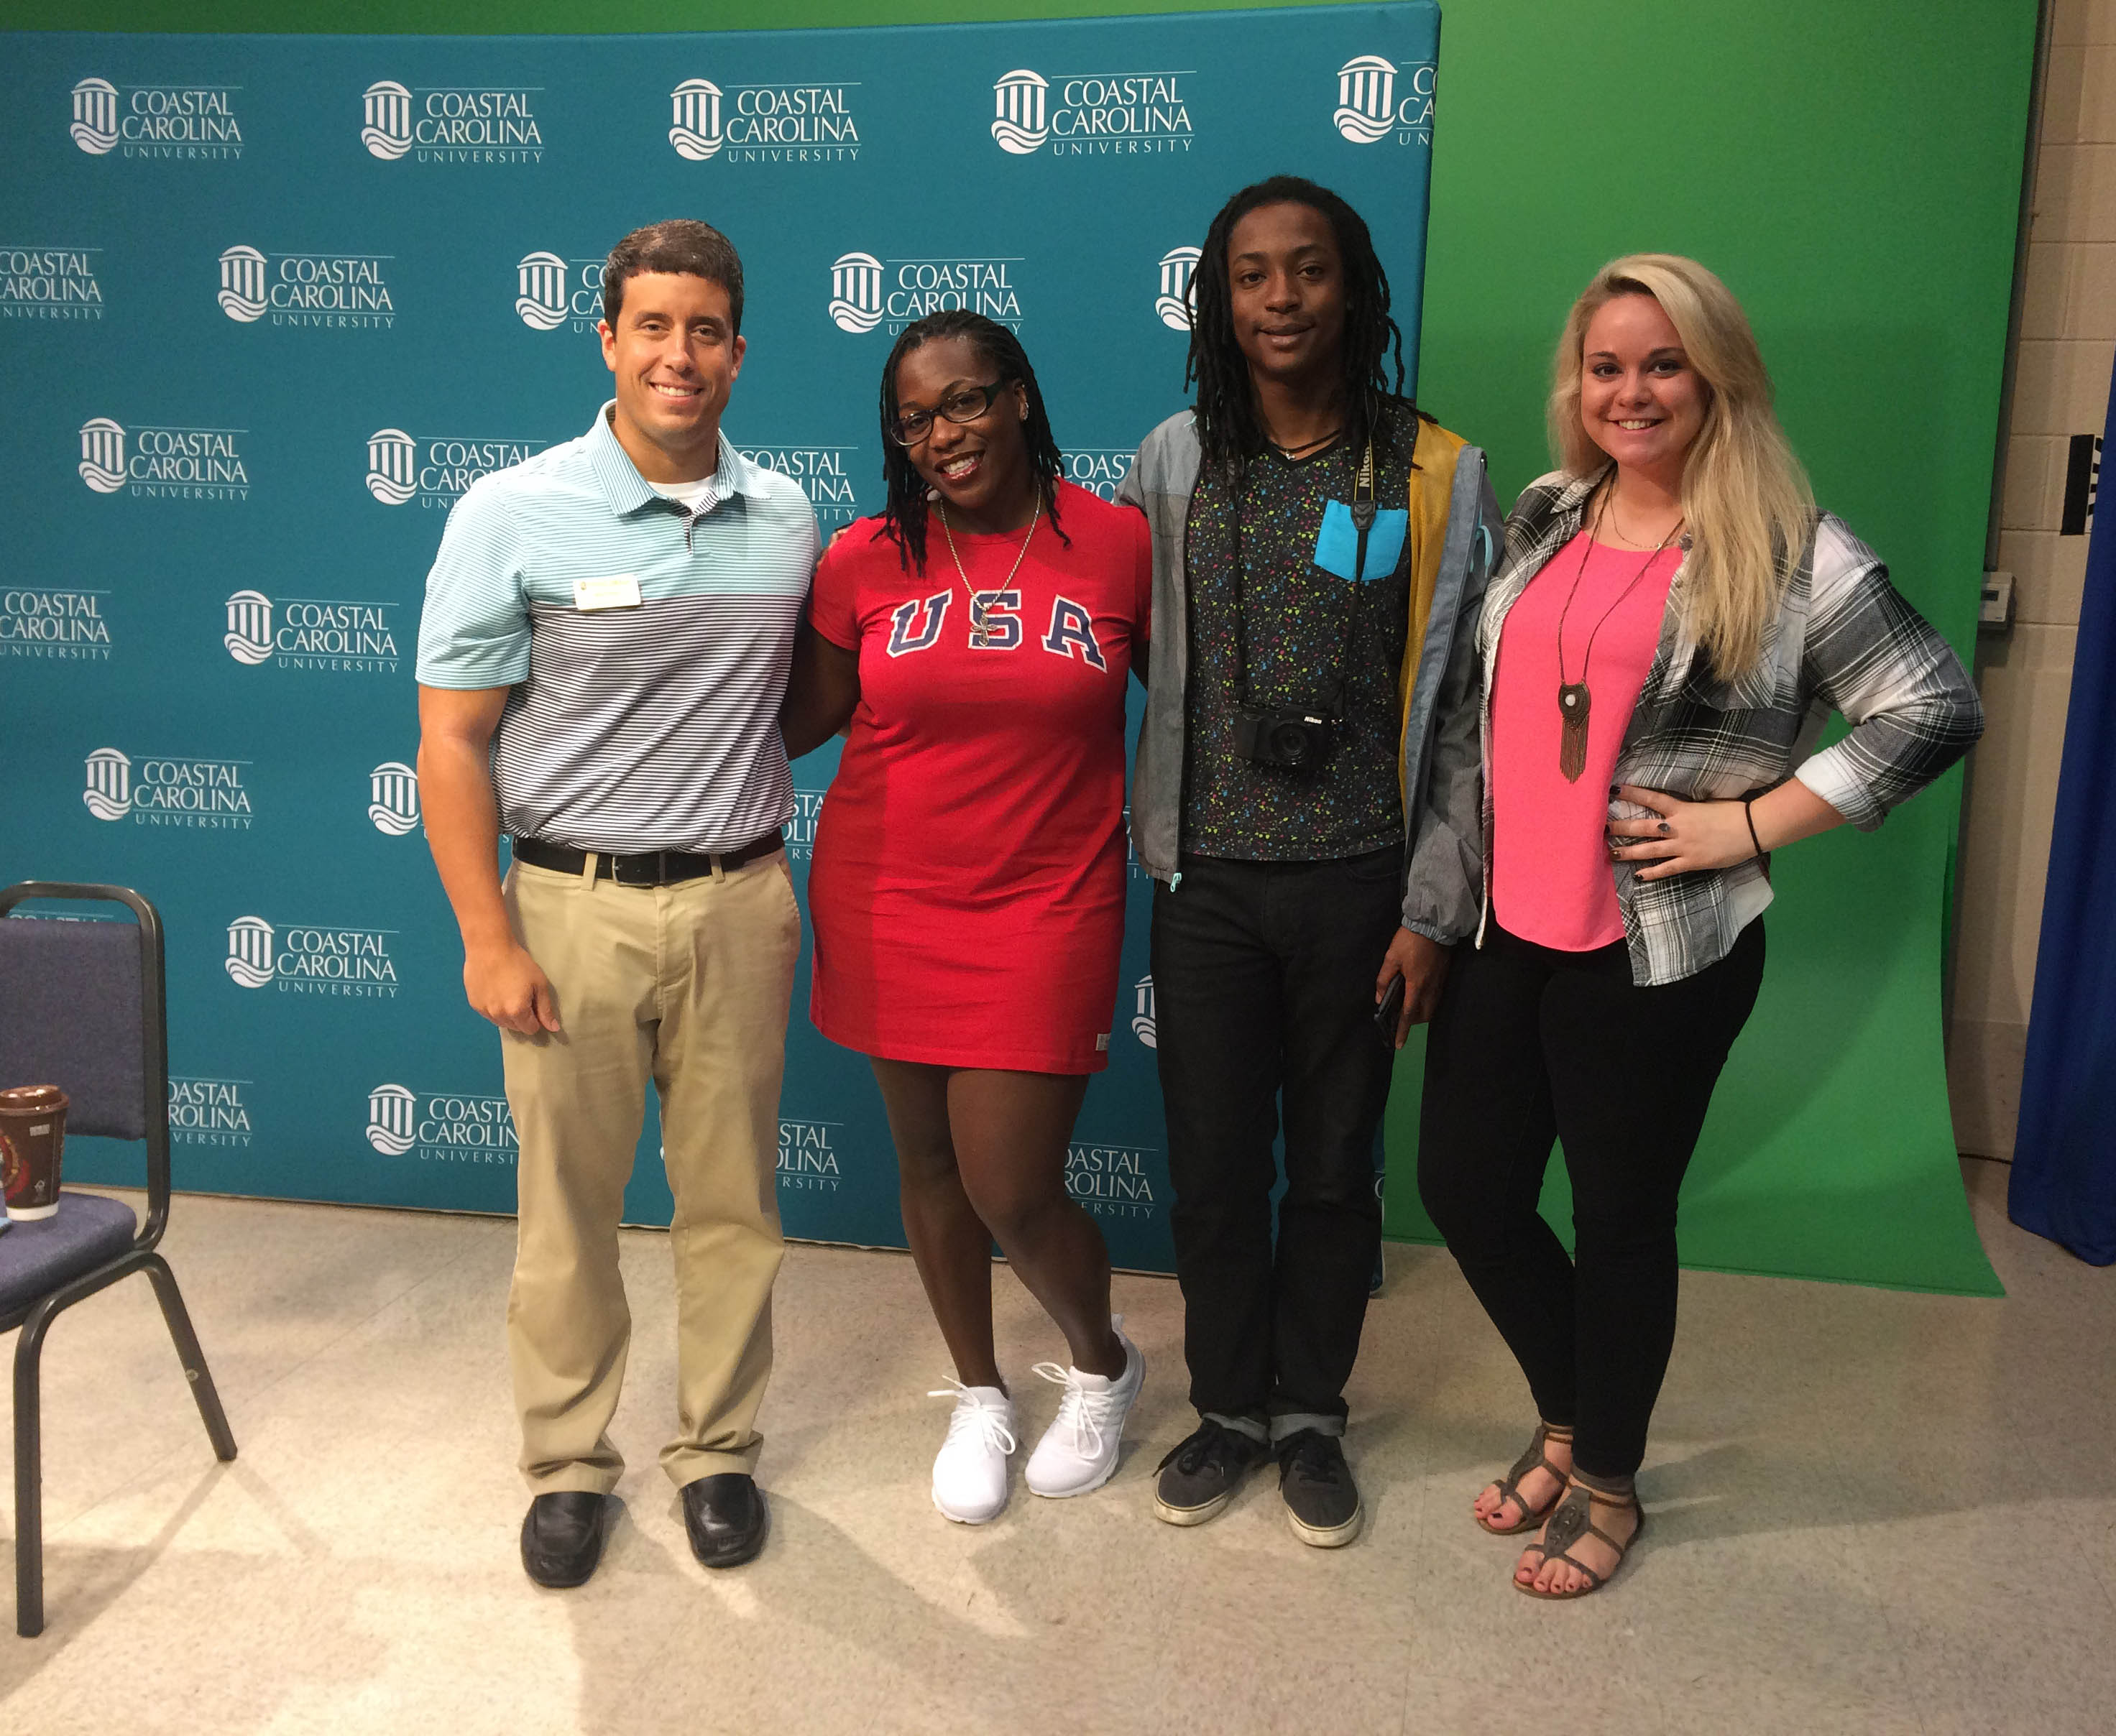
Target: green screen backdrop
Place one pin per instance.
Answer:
(1853, 171)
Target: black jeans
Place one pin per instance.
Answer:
(1530, 1045)
(1263, 977)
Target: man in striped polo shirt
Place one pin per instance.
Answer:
(605, 646)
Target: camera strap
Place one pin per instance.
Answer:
(1362, 521)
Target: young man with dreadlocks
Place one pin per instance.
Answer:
(1306, 799)
(968, 884)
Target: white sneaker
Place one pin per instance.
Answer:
(969, 1473)
(1079, 1451)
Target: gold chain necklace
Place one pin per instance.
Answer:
(1574, 700)
(980, 625)
(1623, 536)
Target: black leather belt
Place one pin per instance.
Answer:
(642, 867)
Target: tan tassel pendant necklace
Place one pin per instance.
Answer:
(1574, 700)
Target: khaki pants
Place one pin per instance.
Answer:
(689, 986)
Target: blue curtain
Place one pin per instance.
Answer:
(2063, 1183)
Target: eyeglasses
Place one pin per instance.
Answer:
(963, 405)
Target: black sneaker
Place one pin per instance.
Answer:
(1322, 1500)
(1200, 1475)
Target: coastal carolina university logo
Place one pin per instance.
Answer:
(314, 633)
(763, 123)
(109, 793)
(49, 283)
(1097, 469)
(695, 130)
(208, 1112)
(801, 829)
(824, 473)
(450, 123)
(337, 291)
(541, 302)
(299, 959)
(169, 790)
(1378, 99)
(441, 1126)
(164, 463)
(103, 455)
(393, 799)
(94, 127)
(551, 291)
(164, 121)
(808, 1155)
(56, 622)
(249, 959)
(1092, 114)
(434, 470)
(1021, 125)
(392, 457)
(866, 291)
(249, 636)
(387, 108)
(856, 292)
(1179, 265)
(392, 1111)
(242, 272)
(1143, 1019)
(1110, 1181)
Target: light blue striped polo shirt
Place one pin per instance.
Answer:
(650, 727)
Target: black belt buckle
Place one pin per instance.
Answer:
(648, 868)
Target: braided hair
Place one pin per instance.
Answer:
(1228, 428)
(903, 517)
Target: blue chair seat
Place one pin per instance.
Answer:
(38, 1255)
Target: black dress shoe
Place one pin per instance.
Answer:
(726, 1518)
(562, 1537)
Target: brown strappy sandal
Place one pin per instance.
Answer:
(1509, 1486)
(1572, 1521)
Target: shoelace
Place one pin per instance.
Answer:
(1214, 1442)
(1315, 1457)
(1083, 1412)
(974, 1418)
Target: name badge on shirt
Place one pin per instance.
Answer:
(619, 590)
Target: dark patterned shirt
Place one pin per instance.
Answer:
(1303, 626)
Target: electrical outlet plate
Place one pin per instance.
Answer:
(1996, 613)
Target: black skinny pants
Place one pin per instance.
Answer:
(1263, 977)
(1530, 1045)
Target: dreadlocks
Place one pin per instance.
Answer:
(1228, 428)
(903, 517)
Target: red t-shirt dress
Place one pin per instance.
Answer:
(967, 887)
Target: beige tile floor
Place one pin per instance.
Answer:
(1872, 1511)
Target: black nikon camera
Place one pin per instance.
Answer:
(1294, 740)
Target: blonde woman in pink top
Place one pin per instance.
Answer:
(1672, 622)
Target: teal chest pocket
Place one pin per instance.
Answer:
(1337, 543)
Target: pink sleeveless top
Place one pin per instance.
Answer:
(1551, 882)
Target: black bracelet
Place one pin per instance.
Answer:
(1746, 814)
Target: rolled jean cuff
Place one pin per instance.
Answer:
(1252, 1426)
(1284, 1428)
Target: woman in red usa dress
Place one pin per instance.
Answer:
(967, 888)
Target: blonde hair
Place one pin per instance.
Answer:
(1749, 508)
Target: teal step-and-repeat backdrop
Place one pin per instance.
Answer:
(269, 305)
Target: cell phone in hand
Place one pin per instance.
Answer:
(1386, 1009)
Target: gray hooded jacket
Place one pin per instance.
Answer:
(1455, 540)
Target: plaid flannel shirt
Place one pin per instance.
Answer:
(1843, 640)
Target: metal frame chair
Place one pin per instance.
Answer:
(34, 1317)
